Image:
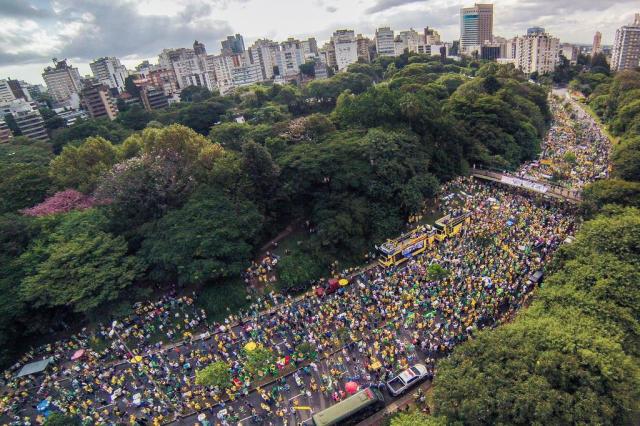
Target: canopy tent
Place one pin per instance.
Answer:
(77, 354)
(35, 367)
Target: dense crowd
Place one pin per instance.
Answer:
(384, 321)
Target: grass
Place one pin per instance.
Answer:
(220, 300)
(614, 139)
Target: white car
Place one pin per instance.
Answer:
(407, 379)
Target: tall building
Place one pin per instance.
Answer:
(535, 30)
(233, 44)
(431, 36)
(190, 69)
(110, 72)
(63, 83)
(537, 52)
(97, 101)
(153, 98)
(27, 118)
(290, 57)
(385, 42)
(6, 94)
(597, 43)
(232, 71)
(626, 46)
(346, 48)
(5, 132)
(407, 40)
(328, 55)
(363, 48)
(310, 48)
(199, 48)
(476, 26)
(570, 52)
(266, 53)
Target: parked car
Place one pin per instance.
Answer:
(405, 380)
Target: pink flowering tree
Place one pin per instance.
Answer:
(61, 202)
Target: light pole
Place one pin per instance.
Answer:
(114, 331)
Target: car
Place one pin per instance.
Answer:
(405, 380)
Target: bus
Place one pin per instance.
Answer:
(352, 410)
(406, 246)
(449, 226)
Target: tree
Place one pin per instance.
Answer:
(297, 269)
(209, 238)
(416, 418)
(200, 116)
(195, 94)
(20, 149)
(308, 69)
(22, 185)
(131, 87)
(81, 167)
(77, 266)
(135, 118)
(544, 370)
(12, 125)
(61, 202)
(262, 172)
(217, 374)
(626, 159)
(231, 135)
(60, 419)
(52, 120)
(436, 272)
(610, 191)
(111, 131)
(258, 360)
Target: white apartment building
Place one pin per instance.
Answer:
(63, 83)
(476, 26)
(537, 52)
(27, 118)
(110, 72)
(408, 40)
(235, 70)
(346, 48)
(190, 69)
(266, 54)
(626, 46)
(570, 52)
(290, 57)
(385, 42)
(6, 94)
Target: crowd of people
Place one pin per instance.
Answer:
(383, 322)
(575, 150)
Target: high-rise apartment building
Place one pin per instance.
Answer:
(346, 48)
(233, 45)
(385, 42)
(536, 52)
(63, 83)
(27, 118)
(290, 57)
(153, 98)
(310, 48)
(596, 47)
(97, 101)
(431, 36)
(626, 46)
(199, 48)
(476, 26)
(363, 48)
(535, 30)
(328, 55)
(266, 53)
(6, 94)
(190, 69)
(570, 52)
(110, 72)
(5, 132)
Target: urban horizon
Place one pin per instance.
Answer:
(380, 14)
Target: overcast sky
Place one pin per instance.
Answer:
(34, 31)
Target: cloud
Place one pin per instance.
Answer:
(382, 5)
(88, 29)
(331, 9)
(22, 9)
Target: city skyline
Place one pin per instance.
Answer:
(35, 31)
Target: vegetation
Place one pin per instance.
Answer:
(187, 195)
(572, 356)
(217, 374)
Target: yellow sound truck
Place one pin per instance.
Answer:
(399, 250)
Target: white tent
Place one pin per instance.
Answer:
(35, 367)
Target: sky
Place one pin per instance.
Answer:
(32, 32)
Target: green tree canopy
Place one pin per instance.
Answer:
(217, 374)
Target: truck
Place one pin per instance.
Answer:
(405, 380)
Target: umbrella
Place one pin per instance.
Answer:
(44, 404)
(251, 346)
(77, 354)
(343, 282)
(136, 359)
(351, 387)
(202, 417)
